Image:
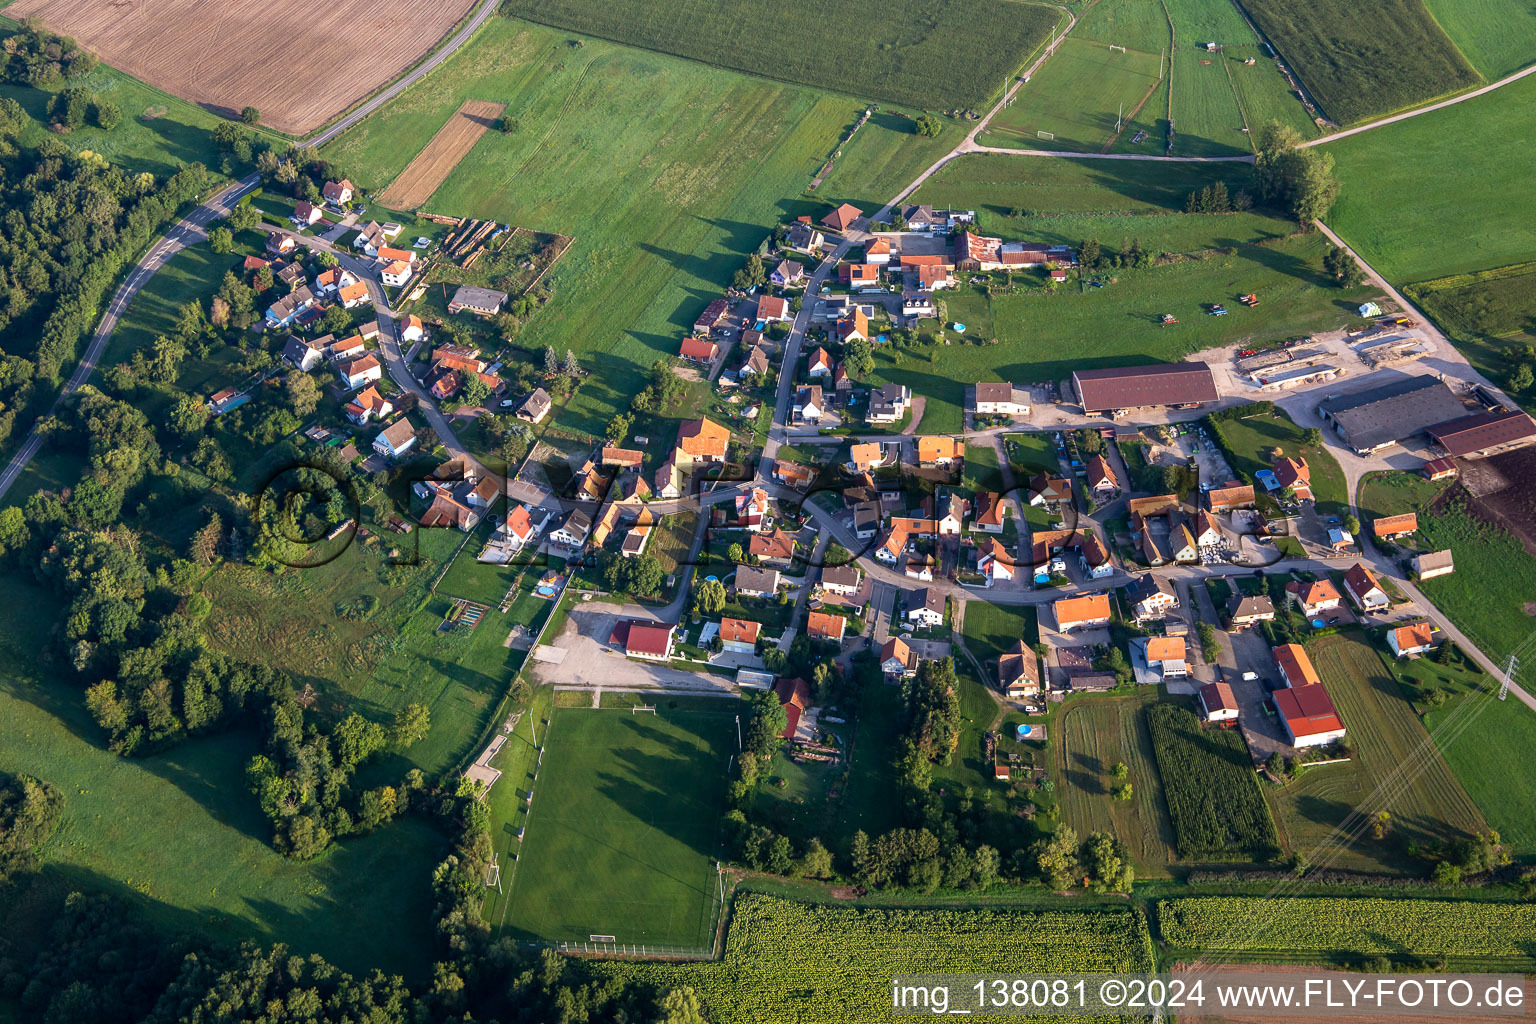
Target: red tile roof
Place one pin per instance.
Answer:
(645, 638)
(1308, 710)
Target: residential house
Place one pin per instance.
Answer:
(479, 301)
(1229, 497)
(925, 607)
(825, 626)
(878, 252)
(897, 659)
(353, 295)
(624, 458)
(953, 510)
(1243, 610)
(338, 192)
(1002, 399)
(290, 307)
(573, 532)
(396, 439)
(752, 582)
(329, 282)
(1313, 597)
(649, 641)
(1103, 481)
(1151, 597)
(1207, 531)
(411, 329)
(939, 450)
(222, 401)
(1415, 638)
(997, 563)
(1218, 703)
(776, 548)
(703, 440)
(698, 350)
(370, 239)
(865, 456)
(1018, 671)
(739, 635)
(362, 371)
(390, 255)
(859, 275)
(792, 474)
(637, 538)
(1045, 489)
(535, 407)
(842, 580)
(281, 243)
(1308, 716)
(304, 353)
(840, 379)
(1390, 527)
(1094, 557)
(1181, 543)
(752, 509)
(918, 304)
(345, 349)
(523, 526)
(773, 309)
(809, 404)
(819, 364)
(1427, 565)
(893, 545)
(805, 238)
(1085, 612)
(1294, 475)
(367, 405)
(395, 273)
(991, 512)
(842, 218)
(888, 404)
(1340, 539)
(788, 272)
(931, 277)
(1166, 656)
(866, 522)
(305, 214)
(757, 362)
(854, 327)
(1365, 590)
(1295, 666)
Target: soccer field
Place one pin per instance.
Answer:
(1077, 98)
(624, 827)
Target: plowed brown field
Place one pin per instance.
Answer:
(433, 164)
(299, 63)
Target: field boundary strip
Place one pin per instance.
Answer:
(431, 167)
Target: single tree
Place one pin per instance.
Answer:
(250, 115)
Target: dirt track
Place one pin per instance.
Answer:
(431, 167)
(300, 64)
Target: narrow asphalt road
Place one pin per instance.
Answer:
(190, 230)
(1462, 98)
(482, 14)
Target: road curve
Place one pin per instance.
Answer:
(482, 14)
(190, 230)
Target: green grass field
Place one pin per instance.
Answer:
(1393, 493)
(1486, 314)
(905, 54)
(179, 836)
(1489, 750)
(1497, 36)
(159, 132)
(990, 629)
(788, 961)
(1078, 96)
(1494, 581)
(1088, 739)
(666, 172)
(1366, 59)
(1395, 212)
(1253, 437)
(624, 828)
(884, 157)
(1386, 732)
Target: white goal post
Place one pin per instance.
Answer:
(1113, 47)
(636, 708)
(1045, 135)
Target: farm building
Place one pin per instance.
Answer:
(1388, 527)
(1484, 433)
(1308, 715)
(1138, 387)
(1389, 414)
(1231, 496)
(712, 315)
(1429, 564)
(479, 301)
(1439, 469)
(1295, 666)
(1217, 703)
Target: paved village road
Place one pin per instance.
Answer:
(190, 230)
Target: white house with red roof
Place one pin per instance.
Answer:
(362, 371)
(305, 214)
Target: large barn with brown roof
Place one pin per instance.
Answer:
(1484, 433)
(1139, 387)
